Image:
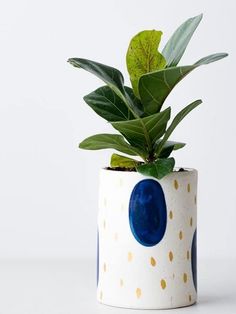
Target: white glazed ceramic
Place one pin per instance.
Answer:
(133, 275)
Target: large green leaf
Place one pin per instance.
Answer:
(156, 86)
(113, 78)
(105, 102)
(157, 169)
(168, 147)
(119, 161)
(177, 119)
(143, 56)
(144, 132)
(176, 45)
(114, 141)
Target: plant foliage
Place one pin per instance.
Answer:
(136, 113)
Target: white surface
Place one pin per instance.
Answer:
(121, 257)
(69, 287)
(48, 188)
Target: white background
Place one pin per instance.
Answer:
(48, 188)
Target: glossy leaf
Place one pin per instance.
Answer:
(155, 87)
(119, 161)
(177, 44)
(144, 132)
(178, 118)
(114, 141)
(168, 148)
(105, 102)
(157, 169)
(111, 76)
(143, 56)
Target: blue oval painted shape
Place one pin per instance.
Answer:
(147, 212)
(194, 259)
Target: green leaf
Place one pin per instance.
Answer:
(108, 105)
(143, 56)
(177, 44)
(119, 161)
(157, 169)
(114, 141)
(113, 78)
(156, 86)
(134, 102)
(168, 147)
(178, 118)
(144, 132)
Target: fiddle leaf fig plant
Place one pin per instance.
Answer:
(137, 113)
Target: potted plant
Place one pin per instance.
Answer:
(147, 207)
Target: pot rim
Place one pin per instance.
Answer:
(176, 169)
(187, 170)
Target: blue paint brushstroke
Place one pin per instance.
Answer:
(147, 212)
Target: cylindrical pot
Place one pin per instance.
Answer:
(147, 240)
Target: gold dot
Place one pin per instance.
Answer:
(104, 267)
(191, 221)
(121, 282)
(171, 256)
(176, 184)
(185, 277)
(138, 292)
(171, 214)
(188, 188)
(101, 295)
(180, 235)
(153, 261)
(195, 199)
(130, 256)
(104, 224)
(163, 284)
(190, 298)
(188, 255)
(116, 236)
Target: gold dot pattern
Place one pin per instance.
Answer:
(185, 277)
(163, 284)
(188, 255)
(188, 188)
(191, 221)
(104, 267)
(138, 293)
(153, 261)
(130, 256)
(176, 184)
(171, 256)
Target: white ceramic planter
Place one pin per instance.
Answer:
(147, 240)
